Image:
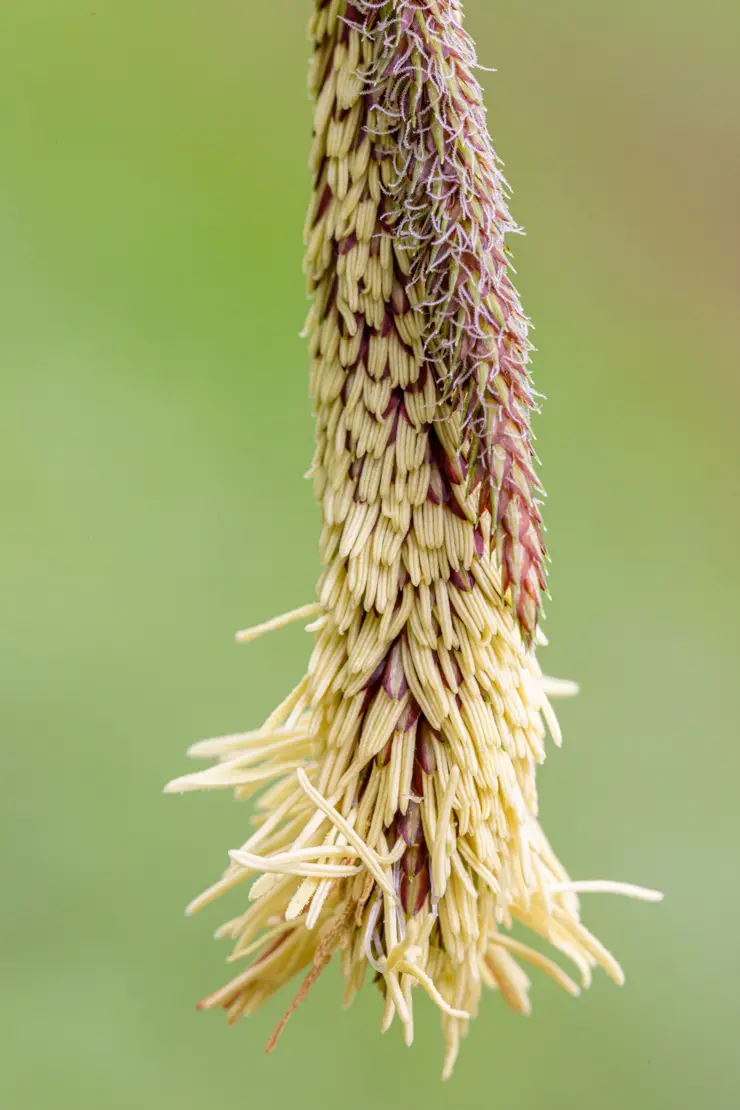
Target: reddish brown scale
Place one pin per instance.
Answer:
(347, 387)
(363, 353)
(403, 577)
(417, 781)
(332, 296)
(437, 492)
(414, 859)
(372, 686)
(383, 758)
(406, 892)
(368, 694)
(394, 427)
(399, 302)
(414, 890)
(377, 674)
(412, 862)
(392, 405)
(364, 779)
(394, 679)
(420, 384)
(409, 716)
(463, 579)
(409, 825)
(423, 887)
(453, 471)
(424, 754)
(324, 203)
(450, 671)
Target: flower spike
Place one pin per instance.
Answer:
(395, 821)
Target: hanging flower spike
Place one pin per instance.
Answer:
(397, 819)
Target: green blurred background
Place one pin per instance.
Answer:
(154, 429)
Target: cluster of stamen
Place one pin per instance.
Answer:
(397, 821)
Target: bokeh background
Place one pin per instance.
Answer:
(154, 428)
